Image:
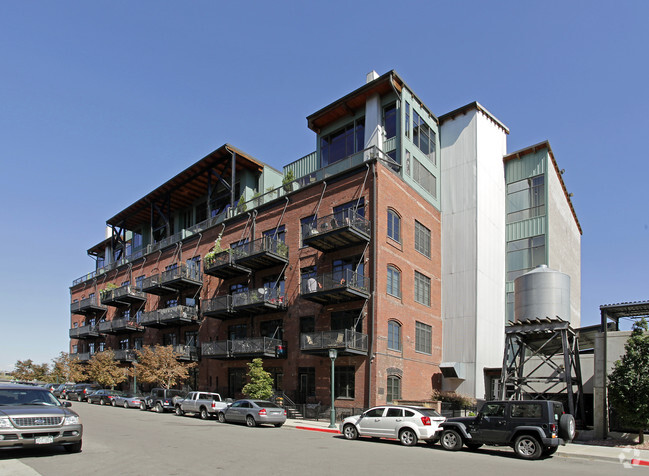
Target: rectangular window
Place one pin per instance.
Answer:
(422, 289)
(524, 255)
(344, 382)
(123, 344)
(424, 177)
(307, 225)
(273, 329)
(423, 338)
(394, 282)
(138, 342)
(394, 226)
(341, 320)
(237, 331)
(236, 380)
(423, 136)
(278, 234)
(526, 199)
(390, 120)
(422, 239)
(394, 335)
(169, 339)
(407, 125)
(191, 338)
(307, 324)
(342, 143)
(393, 392)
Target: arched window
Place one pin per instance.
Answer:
(394, 335)
(393, 391)
(394, 281)
(394, 225)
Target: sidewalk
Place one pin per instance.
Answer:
(626, 456)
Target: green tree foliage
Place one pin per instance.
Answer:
(66, 368)
(628, 384)
(29, 371)
(159, 365)
(104, 369)
(41, 373)
(260, 382)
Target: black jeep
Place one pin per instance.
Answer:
(162, 399)
(534, 428)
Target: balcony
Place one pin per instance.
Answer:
(259, 301)
(346, 341)
(262, 253)
(333, 232)
(186, 353)
(84, 332)
(118, 326)
(81, 356)
(223, 265)
(220, 307)
(89, 305)
(339, 286)
(244, 348)
(173, 280)
(125, 355)
(122, 296)
(169, 316)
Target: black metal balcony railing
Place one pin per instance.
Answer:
(81, 356)
(89, 305)
(243, 348)
(259, 301)
(345, 341)
(186, 352)
(122, 296)
(173, 280)
(84, 332)
(224, 265)
(262, 253)
(338, 286)
(339, 230)
(123, 324)
(220, 306)
(125, 355)
(169, 316)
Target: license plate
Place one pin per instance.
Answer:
(44, 440)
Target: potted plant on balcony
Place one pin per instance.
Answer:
(241, 204)
(287, 181)
(282, 248)
(216, 249)
(109, 287)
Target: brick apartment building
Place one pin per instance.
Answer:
(356, 247)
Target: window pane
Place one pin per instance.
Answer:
(394, 335)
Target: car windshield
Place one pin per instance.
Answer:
(27, 397)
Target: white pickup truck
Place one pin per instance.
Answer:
(205, 404)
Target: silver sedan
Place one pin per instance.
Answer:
(129, 400)
(254, 412)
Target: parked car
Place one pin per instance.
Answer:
(50, 386)
(103, 396)
(162, 399)
(533, 428)
(408, 424)
(205, 404)
(32, 416)
(128, 400)
(253, 413)
(80, 391)
(61, 391)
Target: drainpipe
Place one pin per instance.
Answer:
(371, 321)
(234, 176)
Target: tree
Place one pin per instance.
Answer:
(41, 373)
(628, 384)
(159, 365)
(260, 382)
(104, 369)
(66, 368)
(23, 370)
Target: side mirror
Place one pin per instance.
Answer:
(66, 404)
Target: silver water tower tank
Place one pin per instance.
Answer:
(542, 292)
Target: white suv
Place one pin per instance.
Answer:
(407, 424)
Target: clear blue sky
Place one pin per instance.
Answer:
(102, 101)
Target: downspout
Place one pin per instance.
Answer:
(234, 176)
(371, 321)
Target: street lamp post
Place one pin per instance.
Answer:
(333, 353)
(134, 377)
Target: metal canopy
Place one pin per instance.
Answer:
(615, 312)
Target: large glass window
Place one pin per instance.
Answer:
(423, 338)
(306, 226)
(341, 320)
(394, 225)
(422, 289)
(344, 382)
(423, 136)
(407, 124)
(342, 143)
(394, 335)
(422, 239)
(237, 331)
(526, 199)
(524, 255)
(394, 282)
(424, 177)
(278, 234)
(390, 120)
(393, 391)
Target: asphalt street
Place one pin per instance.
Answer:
(131, 442)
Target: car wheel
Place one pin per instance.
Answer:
(74, 448)
(451, 440)
(567, 427)
(204, 414)
(550, 450)
(407, 437)
(527, 447)
(102, 401)
(179, 411)
(125, 404)
(142, 406)
(158, 408)
(113, 402)
(350, 432)
(278, 425)
(250, 421)
(79, 399)
(473, 446)
(221, 417)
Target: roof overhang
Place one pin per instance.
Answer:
(535, 148)
(633, 310)
(475, 105)
(186, 187)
